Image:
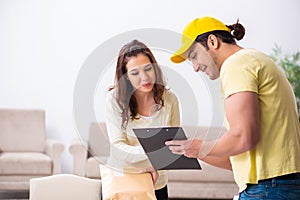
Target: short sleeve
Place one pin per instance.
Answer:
(239, 74)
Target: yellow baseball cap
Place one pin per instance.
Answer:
(192, 30)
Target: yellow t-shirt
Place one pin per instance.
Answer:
(278, 150)
(126, 153)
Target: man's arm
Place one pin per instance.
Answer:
(242, 111)
(221, 162)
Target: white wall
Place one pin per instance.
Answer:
(44, 44)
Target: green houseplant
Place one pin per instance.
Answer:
(290, 63)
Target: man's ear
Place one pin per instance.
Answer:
(212, 41)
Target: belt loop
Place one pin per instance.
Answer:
(274, 182)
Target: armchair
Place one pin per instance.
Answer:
(87, 155)
(25, 152)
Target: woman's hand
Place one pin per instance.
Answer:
(153, 172)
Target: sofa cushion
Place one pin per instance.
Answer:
(207, 174)
(202, 190)
(24, 164)
(22, 130)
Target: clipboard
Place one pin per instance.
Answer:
(153, 142)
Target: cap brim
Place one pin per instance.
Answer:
(179, 56)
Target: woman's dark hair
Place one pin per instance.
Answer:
(237, 32)
(125, 90)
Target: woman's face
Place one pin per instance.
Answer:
(140, 73)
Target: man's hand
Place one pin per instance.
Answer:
(189, 148)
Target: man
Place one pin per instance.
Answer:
(262, 144)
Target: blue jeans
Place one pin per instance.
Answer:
(279, 188)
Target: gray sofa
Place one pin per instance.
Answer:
(208, 183)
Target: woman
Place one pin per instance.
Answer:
(139, 98)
